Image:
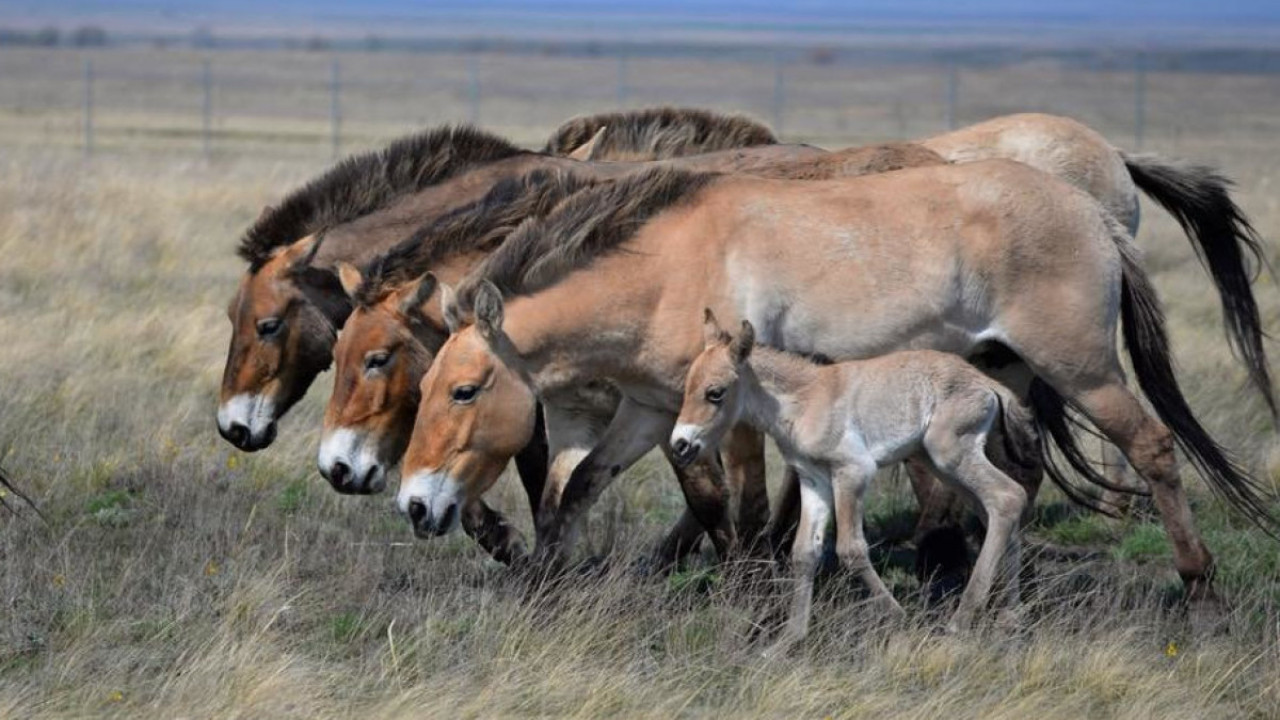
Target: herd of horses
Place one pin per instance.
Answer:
(563, 308)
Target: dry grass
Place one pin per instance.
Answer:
(176, 578)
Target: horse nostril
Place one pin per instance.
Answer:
(680, 447)
(238, 435)
(339, 474)
(270, 436)
(417, 512)
(446, 521)
(367, 484)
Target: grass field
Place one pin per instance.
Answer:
(178, 578)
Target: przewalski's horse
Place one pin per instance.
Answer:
(655, 133)
(1197, 196)
(289, 303)
(837, 424)
(957, 258)
(389, 340)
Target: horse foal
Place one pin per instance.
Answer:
(838, 423)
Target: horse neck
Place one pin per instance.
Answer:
(584, 327)
(777, 392)
(369, 235)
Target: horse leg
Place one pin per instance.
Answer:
(571, 434)
(849, 484)
(1149, 446)
(742, 450)
(634, 430)
(956, 445)
(781, 530)
(490, 529)
(816, 504)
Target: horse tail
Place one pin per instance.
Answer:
(1147, 342)
(1199, 198)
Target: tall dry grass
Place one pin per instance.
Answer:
(177, 578)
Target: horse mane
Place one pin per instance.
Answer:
(364, 183)
(659, 133)
(480, 226)
(587, 225)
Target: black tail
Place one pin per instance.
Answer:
(1148, 346)
(1199, 198)
(1054, 424)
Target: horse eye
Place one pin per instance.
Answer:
(376, 359)
(715, 395)
(269, 326)
(465, 394)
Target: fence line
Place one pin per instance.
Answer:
(88, 107)
(97, 81)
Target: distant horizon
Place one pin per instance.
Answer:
(1247, 23)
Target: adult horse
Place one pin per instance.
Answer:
(957, 258)
(283, 321)
(290, 304)
(394, 331)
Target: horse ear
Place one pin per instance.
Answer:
(449, 308)
(587, 150)
(350, 277)
(488, 309)
(741, 346)
(712, 334)
(419, 295)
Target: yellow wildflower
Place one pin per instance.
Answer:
(232, 462)
(211, 568)
(59, 580)
(115, 696)
(1171, 650)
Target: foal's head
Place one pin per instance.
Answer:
(384, 350)
(477, 410)
(283, 322)
(713, 391)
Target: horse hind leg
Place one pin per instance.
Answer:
(1149, 446)
(956, 446)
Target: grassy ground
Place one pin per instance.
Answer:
(178, 578)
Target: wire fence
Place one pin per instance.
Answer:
(284, 103)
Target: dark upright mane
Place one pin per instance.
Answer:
(659, 133)
(362, 184)
(587, 225)
(478, 227)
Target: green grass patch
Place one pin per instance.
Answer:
(1080, 530)
(1143, 542)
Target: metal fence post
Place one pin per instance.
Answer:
(88, 107)
(473, 88)
(953, 95)
(335, 106)
(779, 92)
(1139, 101)
(206, 125)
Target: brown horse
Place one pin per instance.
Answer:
(282, 320)
(390, 338)
(957, 258)
(286, 311)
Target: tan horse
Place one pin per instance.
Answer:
(837, 424)
(956, 258)
(289, 302)
(388, 341)
(283, 320)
